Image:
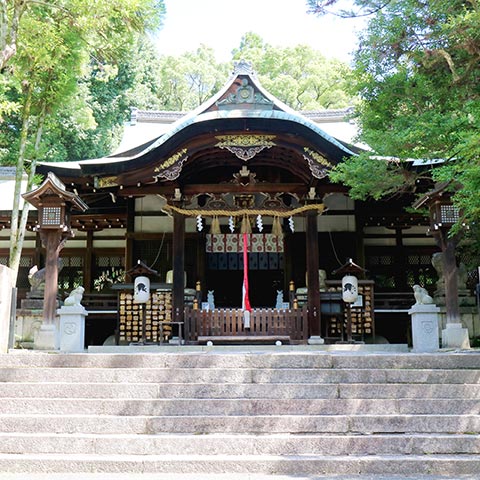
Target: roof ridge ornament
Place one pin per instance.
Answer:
(245, 97)
(243, 67)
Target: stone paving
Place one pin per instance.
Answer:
(136, 476)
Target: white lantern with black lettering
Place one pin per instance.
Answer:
(141, 289)
(349, 288)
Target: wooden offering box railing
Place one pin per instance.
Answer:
(225, 324)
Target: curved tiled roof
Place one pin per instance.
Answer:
(220, 107)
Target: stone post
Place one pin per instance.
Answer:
(425, 333)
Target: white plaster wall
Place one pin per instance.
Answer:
(423, 241)
(7, 188)
(336, 223)
(110, 232)
(380, 242)
(106, 243)
(149, 203)
(153, 224)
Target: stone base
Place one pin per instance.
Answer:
(455, 336)
(425, 335)
(315, 340)
(46, 338)
(469, 319)
(72, 328)
(27, 324)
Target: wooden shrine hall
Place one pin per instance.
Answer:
(181, 202)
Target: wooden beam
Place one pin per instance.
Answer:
(297, 188)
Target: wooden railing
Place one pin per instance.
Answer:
(100, 303)
(264, 322)
(393, 302)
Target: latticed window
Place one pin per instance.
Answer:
(400, 268)
(109, 261)
(71, 274)
(381, 260)
(107, 267)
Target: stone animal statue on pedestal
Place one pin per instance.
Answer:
(279, 302)
(36, 277)
(75, 297)
(421, 296)
(211, 300)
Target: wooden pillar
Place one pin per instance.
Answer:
(178, 266)
(53, 241)
(129, 260)
(313, 300)
(201, 265)
(88, 259)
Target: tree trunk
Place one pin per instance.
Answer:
(16, 243)
(451, 282)
(9, 29)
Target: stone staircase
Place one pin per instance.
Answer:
(299, 414)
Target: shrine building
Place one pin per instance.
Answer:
(179, 195)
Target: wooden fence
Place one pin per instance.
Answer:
(264, 322)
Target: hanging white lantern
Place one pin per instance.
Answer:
(349, 288)
(141, 290)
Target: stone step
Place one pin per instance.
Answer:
(246, 464)
(239, 414)
(236, 407)
(243, 375)
(268, 359)
(255, 424)
(126, 390)
(219, 476)
(219, 444)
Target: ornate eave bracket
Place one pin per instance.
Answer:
(171, 168)
(245, 147)
(318, 164)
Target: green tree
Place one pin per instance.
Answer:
(417, 72)
(299, 76)
(52, 47)
(190, 79)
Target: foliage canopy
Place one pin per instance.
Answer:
(417, 73)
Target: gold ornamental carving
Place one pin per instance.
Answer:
(170, 169)
(245, 147)
(318, 164)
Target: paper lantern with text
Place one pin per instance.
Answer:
(141, 289)
(349, 288)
